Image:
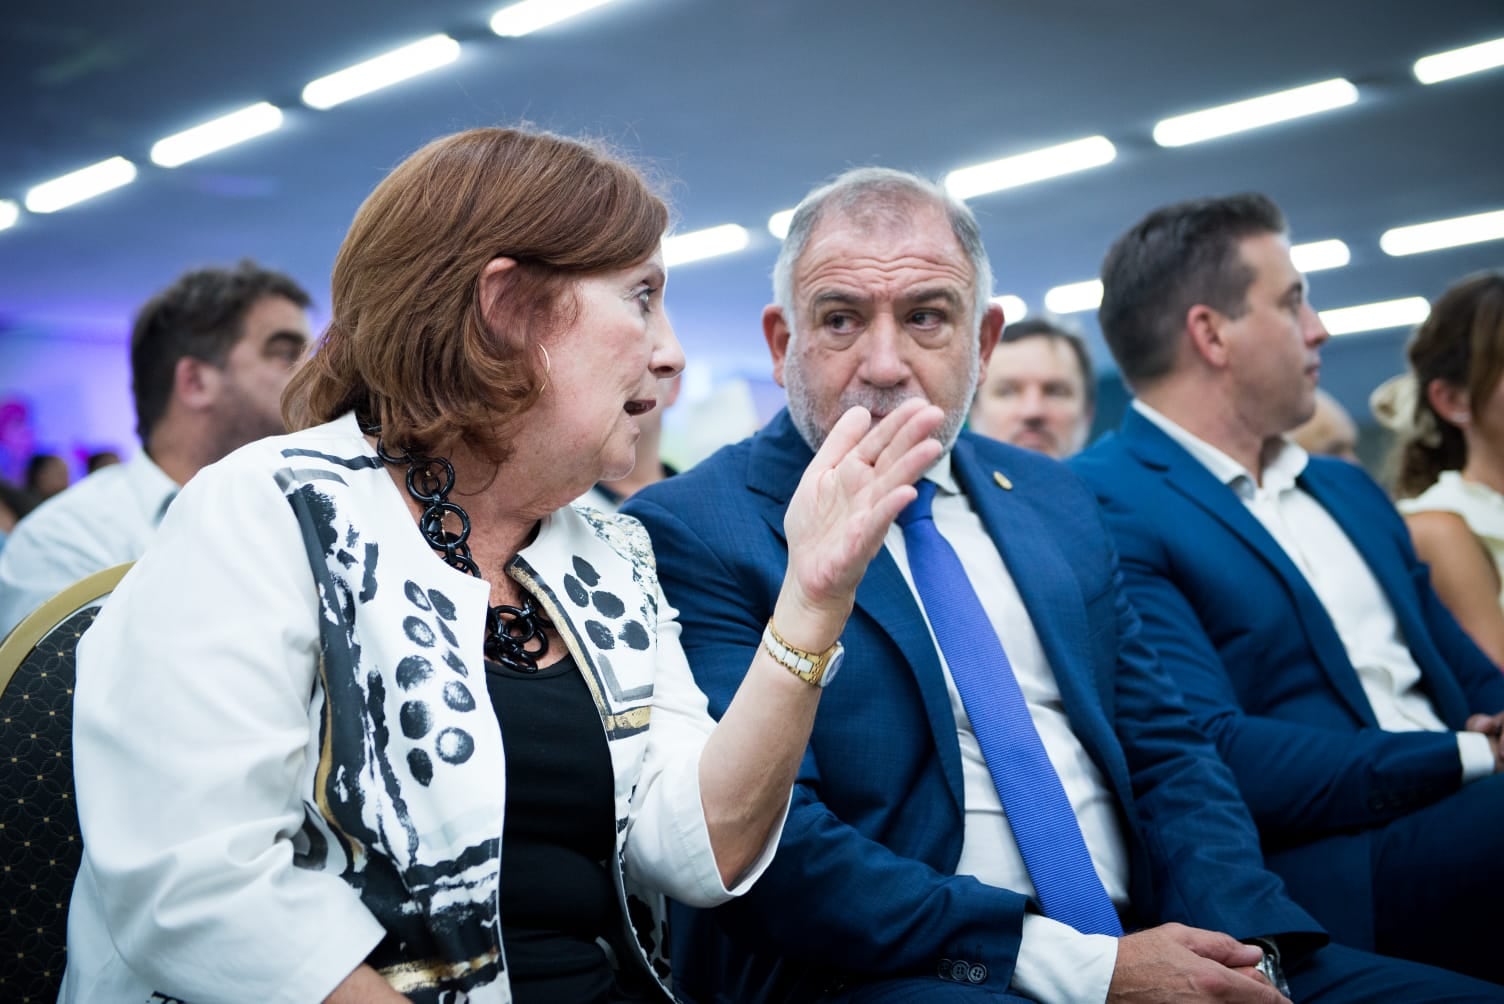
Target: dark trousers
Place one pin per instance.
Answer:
(1438, 882)
(1333, 975)
(918, 990)
(1339, 975)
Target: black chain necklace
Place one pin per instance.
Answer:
(516, 637)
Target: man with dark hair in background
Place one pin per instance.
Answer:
(210, 356)
(1282, 593)
(1039, 391)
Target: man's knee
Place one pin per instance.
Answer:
(1337, 974)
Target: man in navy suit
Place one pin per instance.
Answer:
(900, 876)
(1282, 593)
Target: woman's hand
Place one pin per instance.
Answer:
(365, 986)
(850, 494)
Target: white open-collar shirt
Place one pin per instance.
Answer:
(1342, 580)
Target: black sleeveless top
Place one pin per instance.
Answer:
(557, 898)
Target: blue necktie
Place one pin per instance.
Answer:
(1043, 822)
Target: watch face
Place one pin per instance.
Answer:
(834, 665)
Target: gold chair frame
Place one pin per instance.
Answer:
(36, 625)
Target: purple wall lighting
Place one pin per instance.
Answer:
(64, 395)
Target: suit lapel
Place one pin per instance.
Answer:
(1399, 588)
(885, 598)
(779, 458)
(1032, 554)
(1185, 474)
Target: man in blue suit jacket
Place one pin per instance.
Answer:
(1283, 595)
(898, 877)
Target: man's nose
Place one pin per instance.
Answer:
(1315, 332)
(883, 360)
(1032, 402)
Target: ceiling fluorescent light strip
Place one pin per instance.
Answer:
(389, 68)
(1074, 297)
(519, 19)
(1254, 113)
(1400, 313)
(1318, 256)
(9, 214)
(76, 186)
(1456, 232)
(216, 134)
(1014, 307)
(779, 223)
(697, 245)
(1026, 168)
(1460, 62)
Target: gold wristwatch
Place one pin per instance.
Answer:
(814, 668)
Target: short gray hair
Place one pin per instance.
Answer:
(885, 192)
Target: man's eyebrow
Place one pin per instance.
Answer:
(835, 296)
(945, 293)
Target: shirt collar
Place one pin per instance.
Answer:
(943, 473)
(1280, 472)
(153, 489)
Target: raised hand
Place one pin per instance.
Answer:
(851, 492)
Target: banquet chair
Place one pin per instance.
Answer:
(40, 845)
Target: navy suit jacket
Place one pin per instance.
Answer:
(1264, 671)
(864, 883)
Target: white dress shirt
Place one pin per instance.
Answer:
(1056, 963)
(1342, 580)
(107, 518)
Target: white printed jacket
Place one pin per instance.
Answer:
(287, 762)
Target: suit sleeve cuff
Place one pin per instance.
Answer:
(1477, 757)
(1059, 965)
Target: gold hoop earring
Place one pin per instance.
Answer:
(548, 367)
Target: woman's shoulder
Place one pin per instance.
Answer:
(1438, 533)
(337, 444)
(1479, 506)
(330, 465)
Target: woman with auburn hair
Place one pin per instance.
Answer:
(380, 716)
(1450, 470)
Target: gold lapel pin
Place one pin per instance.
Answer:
(1002, 482)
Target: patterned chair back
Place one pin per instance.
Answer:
(39, 838)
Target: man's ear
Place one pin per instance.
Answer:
(992, 328)
(776, 330)
(196, 383)
(1450, 402)
(1205, 327)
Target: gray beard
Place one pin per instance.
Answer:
(802, 408)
